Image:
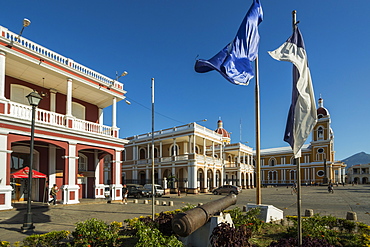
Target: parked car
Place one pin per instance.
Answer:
(159, 191)
(135, 190)
(228, 189)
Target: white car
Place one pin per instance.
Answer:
(159, 191)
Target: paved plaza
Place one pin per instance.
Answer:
(63, 217)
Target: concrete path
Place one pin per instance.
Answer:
(63, 217)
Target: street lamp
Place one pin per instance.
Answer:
(34, 99)
(26, 23)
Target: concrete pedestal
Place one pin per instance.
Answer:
(268, 212)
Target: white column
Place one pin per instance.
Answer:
(194, 143)
(2, 75)
(239, 178)
(190, 145)
(205, 179)
(69, 98)
(213, 150)
(52, 165)
(117, 186)
(313, 175)
(160, 149)
(70, 190)
(114, 113)
(53, 100)
(204, 146)
(101, 116)
(174, 147)
(192, 176)
(214, 177)
(339, 175)
(159, 173)
(5, 187)
(72, 160)
(343, 175)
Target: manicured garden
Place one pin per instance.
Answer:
(318, 231)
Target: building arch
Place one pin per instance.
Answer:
(174, 150)
(272, 161)
(142, 153)
(200, 178)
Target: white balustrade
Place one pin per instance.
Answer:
(5, 33)
(24, 112)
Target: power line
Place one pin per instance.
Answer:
(158, 113)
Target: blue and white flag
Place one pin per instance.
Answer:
(234, 61)
(302, 115)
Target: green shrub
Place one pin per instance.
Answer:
(53, 238)
(338, 232)
(94, 232)
(249, 219)
(151, 236)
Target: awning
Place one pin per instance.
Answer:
(23, 173)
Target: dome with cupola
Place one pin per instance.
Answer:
(220, 130)
(322, 111)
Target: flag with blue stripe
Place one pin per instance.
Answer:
(234, 61)
(302, 115)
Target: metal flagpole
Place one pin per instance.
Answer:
(153, 191)
(298, 163)
(258, 154)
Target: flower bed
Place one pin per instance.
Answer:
(248, 231)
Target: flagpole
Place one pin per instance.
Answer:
(258, 154)
(298, 163)
(153, 189)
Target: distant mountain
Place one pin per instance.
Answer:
(360, 158)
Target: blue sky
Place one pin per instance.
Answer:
(162, 38)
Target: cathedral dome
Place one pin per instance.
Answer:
(221, 130)
(322, 111)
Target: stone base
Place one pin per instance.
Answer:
(192, 191)
(268, 212)
(200, 238)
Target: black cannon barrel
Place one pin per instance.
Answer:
(186, 223)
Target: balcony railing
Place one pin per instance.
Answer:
(57, 58)
(24, 112)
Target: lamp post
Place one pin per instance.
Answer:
(34, 99)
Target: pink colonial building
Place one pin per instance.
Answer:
(72, 146)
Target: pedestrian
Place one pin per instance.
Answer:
(53, 192)
(124, 194)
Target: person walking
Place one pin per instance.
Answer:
(53, 192)
(124, 194)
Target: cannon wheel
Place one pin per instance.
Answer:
(216, 193)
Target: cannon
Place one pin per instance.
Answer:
(186, 223)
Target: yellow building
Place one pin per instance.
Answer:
(318, 164)
(188, 157)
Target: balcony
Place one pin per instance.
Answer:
(200, 159)
(48, 118)
(57, 58)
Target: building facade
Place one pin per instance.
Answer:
(318, 164)
(189, 158)
(194, 158)
(359, 174)
(72, 145)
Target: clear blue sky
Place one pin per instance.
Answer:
(162, 38)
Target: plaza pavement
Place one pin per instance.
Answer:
(63, 217)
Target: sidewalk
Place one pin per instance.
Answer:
(63, 217)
